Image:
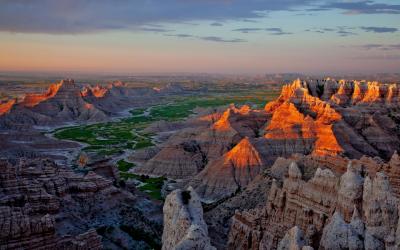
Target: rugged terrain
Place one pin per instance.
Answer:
(317, 168)
(45, 205)
(321, 118)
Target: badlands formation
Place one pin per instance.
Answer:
(315, 169)
(67, 102)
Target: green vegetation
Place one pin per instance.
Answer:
(151, 186)
(114, 138)
(124, 166)
(184, 107)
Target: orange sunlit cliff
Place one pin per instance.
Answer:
(6, 106)
(32, 100)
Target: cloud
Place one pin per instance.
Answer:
(84, 16)
(247, 30)
(378, 57)
(360, 7)
(277, 31)
(379, 29)
(342, 31)
(180, 35)
(208, 38)
(217, 24)
(249, 21)
(220, 39)
(379, 46)
(272, 31)
(156, 30)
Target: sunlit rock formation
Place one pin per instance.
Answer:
(68, 102)
(227, 175)
(31, 100)
(325, 119)
(62, 103)
(5, 107)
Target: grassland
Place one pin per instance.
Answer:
(112, 139)
(151, 186)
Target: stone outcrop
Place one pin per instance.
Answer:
(339, 110)
(293, 240)
(325, 119)
(31, 100)
(334, 212)
(30, 199)
(5, 107)
(67, 102)
(62, 103)
(47, 206)
(189, 151)
(227, 175)
(184, 227)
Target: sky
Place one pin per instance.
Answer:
(200, 36)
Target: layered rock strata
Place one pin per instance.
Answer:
(334, 212)
(325, 119)
(227, 175)
(46, 206)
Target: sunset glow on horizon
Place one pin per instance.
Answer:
(200, 36)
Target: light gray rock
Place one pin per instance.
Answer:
(293, 240)
(184, 226)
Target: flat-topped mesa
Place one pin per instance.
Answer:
(5, 107)
(31, 100)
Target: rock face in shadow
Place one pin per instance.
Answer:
(47, 206)
(334, 211)
(184, 227)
